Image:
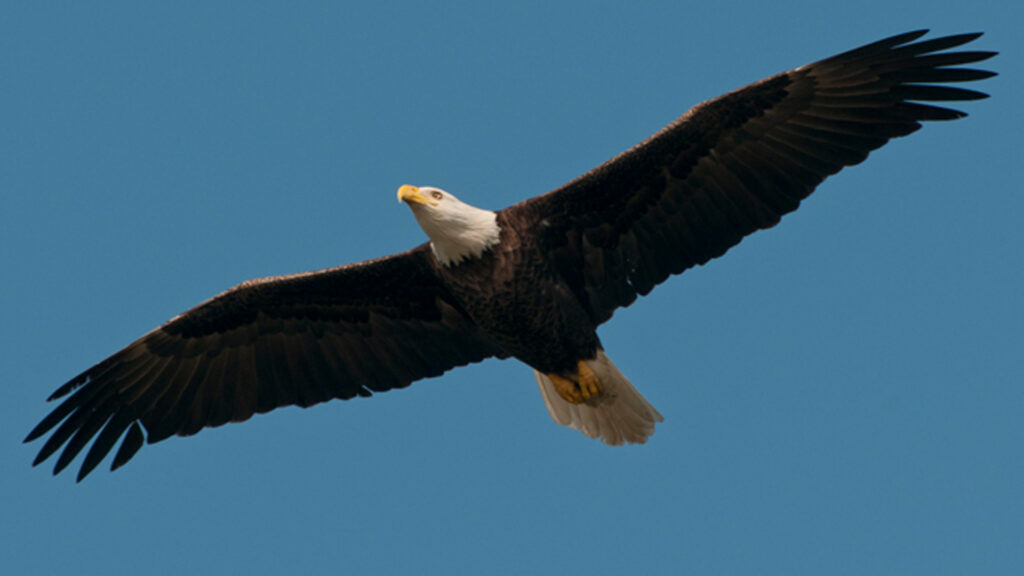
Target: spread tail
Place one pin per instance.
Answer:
(620, 414)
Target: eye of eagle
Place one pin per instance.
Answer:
(437, 195)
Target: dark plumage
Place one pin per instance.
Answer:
(564, 262)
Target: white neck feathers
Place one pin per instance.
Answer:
(459, 231)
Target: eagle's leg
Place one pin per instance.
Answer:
(566, 388)
(586, 386)
(588, 382)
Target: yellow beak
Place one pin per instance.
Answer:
(412, 195)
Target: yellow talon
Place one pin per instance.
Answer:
(589, 384)
(586, 387)
(566, 389)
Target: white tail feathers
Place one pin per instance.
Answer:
(620, 414)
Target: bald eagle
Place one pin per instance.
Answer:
(532, 281)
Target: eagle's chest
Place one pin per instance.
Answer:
(518, 299)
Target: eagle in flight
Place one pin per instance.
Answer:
(532, 281)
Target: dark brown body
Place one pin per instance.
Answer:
(518, 298)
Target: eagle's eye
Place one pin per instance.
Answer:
(437, 195)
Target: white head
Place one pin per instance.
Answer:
(457, 230)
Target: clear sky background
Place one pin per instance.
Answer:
(842, 394)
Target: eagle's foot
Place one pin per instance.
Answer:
(586, 386)
(588, 383)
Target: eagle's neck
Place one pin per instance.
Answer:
(457, 235)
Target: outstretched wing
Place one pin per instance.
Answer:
(736, 164)
(300, 339)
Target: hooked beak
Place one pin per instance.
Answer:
(412, 195)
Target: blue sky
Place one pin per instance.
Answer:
(842, 394)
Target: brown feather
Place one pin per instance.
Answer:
(745, 159)
(301, 339)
